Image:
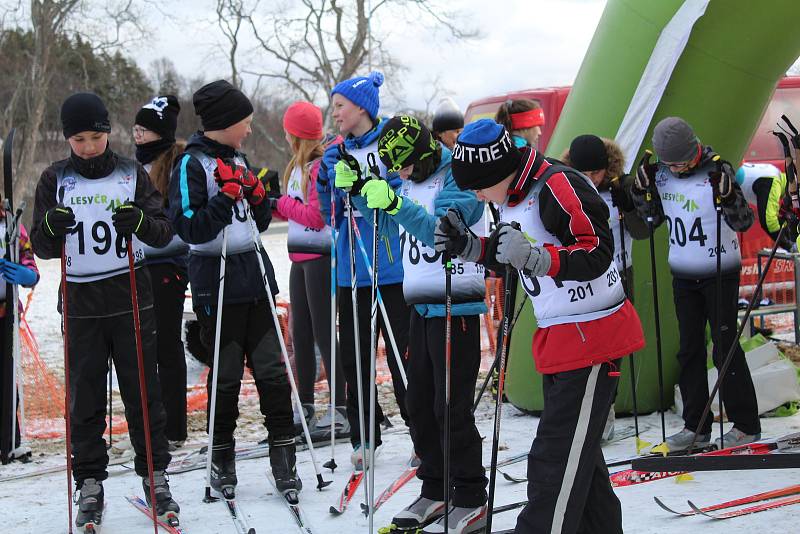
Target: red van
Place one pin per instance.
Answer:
(763, 148)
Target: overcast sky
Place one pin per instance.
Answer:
(524, 43)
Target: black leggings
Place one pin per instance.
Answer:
(310, 295)
(398, 312)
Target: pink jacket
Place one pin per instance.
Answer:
(307, 214)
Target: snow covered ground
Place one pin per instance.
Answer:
(36, 505)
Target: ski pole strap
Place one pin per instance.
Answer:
(352, 162)
(791, 170)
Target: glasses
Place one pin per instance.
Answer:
(680, 166)
(139, 131)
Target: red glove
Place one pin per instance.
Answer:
(253, 188)
(230, 179)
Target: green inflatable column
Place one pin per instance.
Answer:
(721, 84)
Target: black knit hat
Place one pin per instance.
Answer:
(588, 153)
(220, 105)
(160, 115)
(447, 117)
(484, 155)
(84, 112)
(404, 141)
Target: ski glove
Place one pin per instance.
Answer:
(18, 274)
(380, 195)
(452, 236)
(58, 221)
(645, 173)
(722, 180)
(514, 248)
(348, 179)
(127, 218)
(230, 179)
(620, 197)
(253, 188)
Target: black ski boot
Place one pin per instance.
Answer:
(90, 505)
(282, 460)
(167, 509)
(223, 470)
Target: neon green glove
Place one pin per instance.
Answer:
(379, 194)
(346, 178)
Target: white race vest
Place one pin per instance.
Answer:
(568, 301)
(302, 238)
(691, 219)
(614, 225)
(750, 172)
(240, 236)
(361, 156)
(424, 280)
(94, 249)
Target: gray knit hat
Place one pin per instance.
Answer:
(674, 140)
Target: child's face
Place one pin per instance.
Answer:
(346, 114)
(237, 133)
(88, 145)
(497, 193)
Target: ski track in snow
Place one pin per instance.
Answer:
(39, 504)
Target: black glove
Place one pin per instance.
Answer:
(58, 221)
(273, 202)
(722, 180)
(620, 197)
(128, 219)
(645, 173)
(452, 236)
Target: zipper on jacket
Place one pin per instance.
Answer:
(578, 326)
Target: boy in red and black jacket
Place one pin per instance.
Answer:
(563, 252)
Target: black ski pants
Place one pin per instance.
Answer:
(568, 487)
(425, 400)
(91, 341)
(695, 305)
(310, 295)
(169, 291)
(398, 313)
(8, 394)
(248, 332)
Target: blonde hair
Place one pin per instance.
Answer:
(304, 152)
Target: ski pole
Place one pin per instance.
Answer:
(110, 407)
(212, 413)
(448, 307)
(137, 329)
(373, 350)
(626, 288)
(718, 297)
(331, 464)
(65, 337)
(321, 483)
(510, 282)
(651, 228)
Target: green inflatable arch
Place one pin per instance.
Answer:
(713, 62)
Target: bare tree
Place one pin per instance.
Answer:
(321, 42)
(50, 20)
(230, 16)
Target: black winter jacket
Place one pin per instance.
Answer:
(198, 219)
(110, 296)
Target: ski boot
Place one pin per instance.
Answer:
(682, 440)
(90, 505)
(460, 521)
(608, 429)
(322, 428)
(359, 459)
(308, 412)
(416, 515)
(282, 461)
(735, 438)
(167, 509)
(223, 470)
